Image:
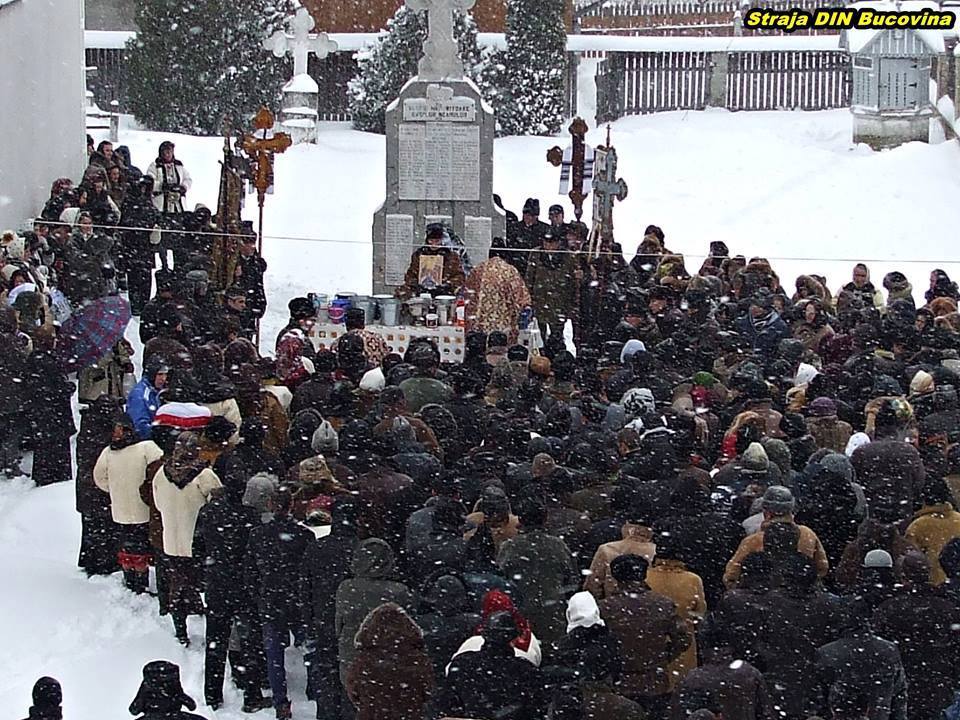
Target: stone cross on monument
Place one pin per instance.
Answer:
(439, 157)
(441, 54)
(300, 44)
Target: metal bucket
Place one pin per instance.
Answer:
(389, 311)
(445, 304)
(369, 307)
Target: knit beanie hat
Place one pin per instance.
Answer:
(704, 379)
(261, 489)
(638, 402)
(47, 694)
(878, 559)
(325, 440)
(315, 470)
(755, 459)
(778, 500)
(823, 407)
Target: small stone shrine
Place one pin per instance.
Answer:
(439, 157)
(890, 101)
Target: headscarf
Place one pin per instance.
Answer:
(857, 440)
(185, 462)
(498, 601)
(582, 611)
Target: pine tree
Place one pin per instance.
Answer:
(528, 78)
(385, 68)
(195, 63)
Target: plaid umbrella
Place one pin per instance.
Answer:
(91, 331)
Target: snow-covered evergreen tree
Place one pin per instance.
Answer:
(527, 79)
(386, 67)
(195, 63)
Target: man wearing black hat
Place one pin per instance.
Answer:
(47, 700)
(528, 236)
(433, 268)
(557, 223)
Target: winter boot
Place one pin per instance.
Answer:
(256, 703)
(284, 712)
(180, 628)
(136, 570)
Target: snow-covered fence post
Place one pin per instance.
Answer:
(719, 68)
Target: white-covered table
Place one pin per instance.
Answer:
(449, 339)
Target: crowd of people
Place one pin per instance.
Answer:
(732, 501)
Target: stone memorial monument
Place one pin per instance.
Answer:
(439, 157)
(300, 95)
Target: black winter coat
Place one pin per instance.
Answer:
(135, 247)
(250, 281)
(868, 665)
(13, 369)
(492, 684)
(96, 428)
(588, 655)
(50, 412)
(274, 555)
(326, 564)
(891, 473)
(225, 526)
(924, 625)
(797, 623)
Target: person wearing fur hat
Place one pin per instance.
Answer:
(161, 696)
(897, 287)
(171, 180)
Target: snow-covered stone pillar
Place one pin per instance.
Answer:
(300, 110)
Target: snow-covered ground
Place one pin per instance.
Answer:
(789, 186)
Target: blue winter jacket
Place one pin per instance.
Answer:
(142, 404)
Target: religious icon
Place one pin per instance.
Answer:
(431, 271)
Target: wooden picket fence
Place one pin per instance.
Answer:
(803, 80)
(647, 82)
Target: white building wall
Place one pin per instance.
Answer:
(42, 81)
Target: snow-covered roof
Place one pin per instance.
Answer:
(856, 39)
(353, 42)
(106, 39)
